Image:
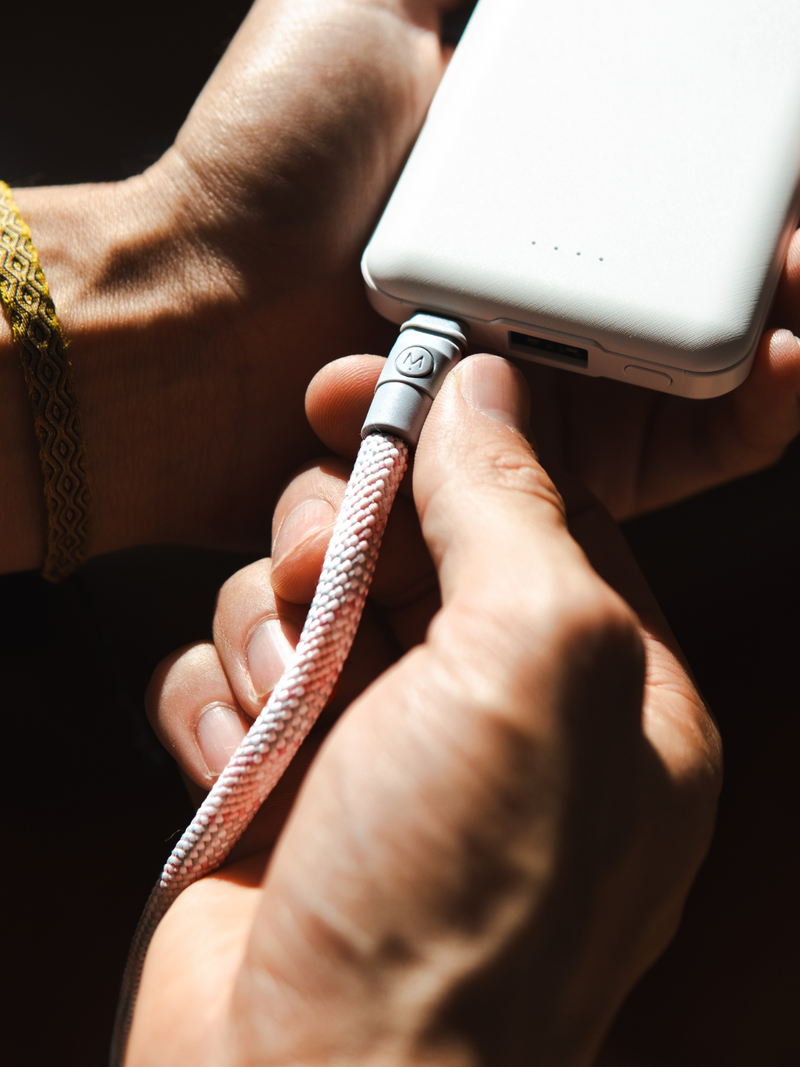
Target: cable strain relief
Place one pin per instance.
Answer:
(425, 352)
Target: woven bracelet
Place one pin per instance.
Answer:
(48, 374)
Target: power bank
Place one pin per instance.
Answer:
(605, 185)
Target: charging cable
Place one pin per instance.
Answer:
(427, 348)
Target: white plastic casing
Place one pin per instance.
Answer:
(616, 177)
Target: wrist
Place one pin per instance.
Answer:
(130, 288)
(190, 365)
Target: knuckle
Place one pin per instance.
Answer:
(520, 472)
(581, 611)
(242, 579)
(596, 653)
(700, 768)
(324, 477)
(249, 587)
(532, 636)
(610, 622)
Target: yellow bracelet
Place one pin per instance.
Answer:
(31, 314)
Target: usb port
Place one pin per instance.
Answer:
(523, 342)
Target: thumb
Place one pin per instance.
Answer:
(480, 491)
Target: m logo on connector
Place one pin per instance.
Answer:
(415, 363)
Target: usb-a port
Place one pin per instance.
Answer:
(523, 342)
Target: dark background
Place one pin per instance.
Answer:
(96, 92)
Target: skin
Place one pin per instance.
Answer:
(201, 297)
(495, 839)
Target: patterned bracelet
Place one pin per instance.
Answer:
(31, 314)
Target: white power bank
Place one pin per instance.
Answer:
(605, 185)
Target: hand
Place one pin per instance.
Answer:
(635, 449)
(639, 450)
(200, 297)
(497, 836)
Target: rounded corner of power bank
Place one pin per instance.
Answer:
(388, 306)
(678, 381)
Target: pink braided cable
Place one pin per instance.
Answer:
(291, 711)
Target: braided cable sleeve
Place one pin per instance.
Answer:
(291, 711)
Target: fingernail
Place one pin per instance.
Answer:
(269, 649)
(305, 519)
(497, 389)
(219, 733)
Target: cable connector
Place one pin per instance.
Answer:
(426, 350)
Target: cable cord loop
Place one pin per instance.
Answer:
(331, 623)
